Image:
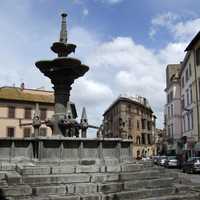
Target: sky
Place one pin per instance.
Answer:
(127, 46)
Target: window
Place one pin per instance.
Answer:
(149, 125)
(129, 123)
(27, 113)
(168, 130)
(170, 96)
(149, 138)
(183, 102)
(186, 75)
(172, 130)
(199, 87)
(184, 124)
(43, 114)
(138, 140)
(11, 112)
(191, 115)
(198, 56)
(182, 82)
(43, 132)
(138, 124)
(190, 70)
(172, 110)
(27, 132)
(143, 123)
(191, 94)
(10, 131)
(168, 109)
(188, 97)
(143, 138)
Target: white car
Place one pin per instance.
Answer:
(162, 160)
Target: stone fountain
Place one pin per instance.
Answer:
(62, 71)
(66, 143)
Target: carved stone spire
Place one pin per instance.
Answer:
(84, 115)
(63, 32)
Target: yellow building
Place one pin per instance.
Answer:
(130, 117)
(17, 105)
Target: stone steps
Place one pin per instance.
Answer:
(150, 183)
(190, 196)
(92, 182)
(139, 194)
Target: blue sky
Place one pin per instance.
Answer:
(127, 45)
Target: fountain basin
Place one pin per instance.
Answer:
(64, 65)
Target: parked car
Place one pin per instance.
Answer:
(162, 160)
(145, 158)
(171, 161)
(156, 159)
(192, 165)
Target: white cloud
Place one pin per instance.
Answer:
(116, 66)
(179, 28)
(131, 68)
(166, 19)
(186, 30)
(112, 1)
(85, 12)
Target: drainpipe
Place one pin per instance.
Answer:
(196, 88)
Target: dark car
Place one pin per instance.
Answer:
(192, 165)
(155, 159)
(171, 161)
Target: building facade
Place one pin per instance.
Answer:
(188, 80)
(173, 106)
(130, 117)
(17, 106)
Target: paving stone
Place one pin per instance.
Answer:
(115, 168)
(152, 183)
(13, 178)
(176, 197)
(111, 161)
(87, 169)
(131, 167)
(84, 188)
(110, 187)
(56, 179)
(33, 170)
(5, 166)
(64, 197)
(52, 189)
(140, 175)
(104, 177)
(17, 190)
(139, 194)
(70, 188)
(91, 197)
(63, 169)
(2, 174)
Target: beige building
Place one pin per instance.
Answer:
(190, 89)
(188, 80)
(17, 105)
(130, 117)
(173, 106)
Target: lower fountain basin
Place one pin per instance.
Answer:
(62, 66)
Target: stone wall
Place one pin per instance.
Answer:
(71, 150)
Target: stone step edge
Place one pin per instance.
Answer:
(171, 197)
